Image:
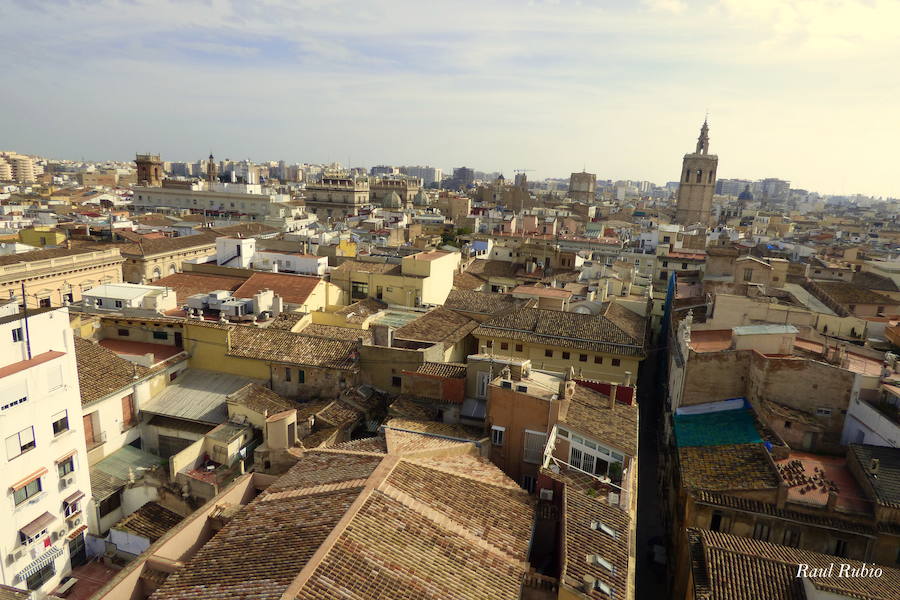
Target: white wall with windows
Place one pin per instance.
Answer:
(589, 456)
(44, 473)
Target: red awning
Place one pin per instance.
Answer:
(23, 482)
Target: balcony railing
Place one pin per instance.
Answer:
(95, 442)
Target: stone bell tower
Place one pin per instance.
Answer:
(698, 183)
(149, 169)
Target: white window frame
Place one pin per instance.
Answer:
(533, 455)
(17, 438)
(497, 435)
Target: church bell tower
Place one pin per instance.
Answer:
(697, 184)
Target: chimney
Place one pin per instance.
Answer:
(628, 378)
(613, 391)
(873, 466)
(832, 500)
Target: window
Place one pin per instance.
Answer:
(287, 374)
(823, 412)
(566, 355)
(489, 344)
(839, 547)
(748, 274)
(761, 532)
(44, 302)
(718, 522)
(107, 505)
(534, 446)
(99, 301)
(548, 353)
(301, 376)
(598, 360)
(879, 310)
(17, 334)
(851, 307)
(518, 347)
(616, 362)
(497, 435)
(16, 402)
(504, 346)
(683, 266)
(118, 304)
(65, 467)
(27, 491)
(582, 358)
(665, 263)
(791, 538)
(666, 239)
(37, 580)
(787, 424)
(20, 443)
(160, 335)
(60, 422)
(528, 483)
(359, 291)
(395, 381)
(124, 333)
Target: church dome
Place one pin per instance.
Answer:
(421, 199)
(392, 200)
(746, 194)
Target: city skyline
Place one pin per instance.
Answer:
(552, 86)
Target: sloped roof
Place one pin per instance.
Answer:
(566, 329)
(150, 247)
(188, 284)
(731, 467)
(729, 567)
(849, 293)
(591, 414)
(101, 372)
(887, 483)
(292, 348)
(293, 289)
(150, 521)
(486, 303)
(437, 325)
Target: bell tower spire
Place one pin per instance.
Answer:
(703, 140)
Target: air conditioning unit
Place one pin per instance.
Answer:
(546, 494)
(61, 532)
(34, 553)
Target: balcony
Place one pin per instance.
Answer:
(95, 442)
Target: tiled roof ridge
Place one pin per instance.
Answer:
(382, 471)
(445, 522)
(448, 471)
(327, 450)
(316, 489)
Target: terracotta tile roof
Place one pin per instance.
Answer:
(310, 408)
(293, 289)
(467, 281)
(563, 329)
(448, 370)
(486, 303)
(886, 484)
(499, 517)
(150, 521)
(101, 372)
(155, 220)
(24, 257)
(406, 407)
(188, 284)
(357, 266)
(286, 320)
(728, 567)
(581, 540)
(731, 467)
(542, 291)
(261, 399)
(338, 414)
(360, 311)
(248, 229)
(261, 550)
(874, 281)
(849, 293)
(628, 321)
(321, 468)
(371, 444)
(447, 430)
(437, 325)
(150, 247)
(291, 348)
(485, 269)
(11, 593)
(337, 333)
(589, 413)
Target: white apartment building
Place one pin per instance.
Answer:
(242, 253)
(232, 200)
(43, 468)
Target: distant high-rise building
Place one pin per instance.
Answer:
(149, 169)
(463, 176)
(583, 187)
(775, 190)
(698, 183)
(383, 170)
(428, 175)
(731, 187)
(19, 168)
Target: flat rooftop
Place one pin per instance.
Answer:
(811, 476)
(198, 395)
(126, 348)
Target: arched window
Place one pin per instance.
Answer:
(699, 175)
(687, 175)
(709, 177)
(156, 274)
(172, 269)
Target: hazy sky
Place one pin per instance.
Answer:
(806, 90)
